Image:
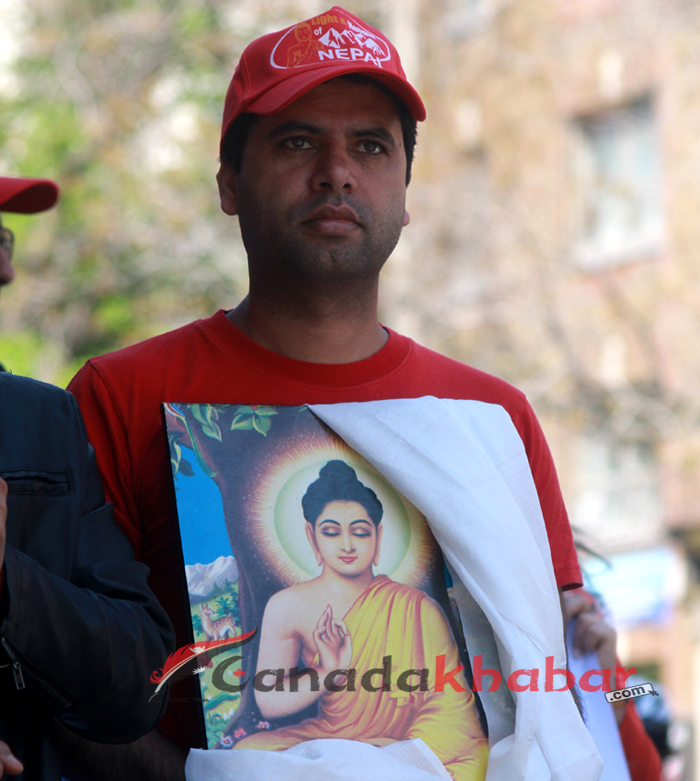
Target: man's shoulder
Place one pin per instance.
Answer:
(446, 377)
(24, 394)
(40, 425)
(150, 352)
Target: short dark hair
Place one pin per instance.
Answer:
(337, 482)
(234, 142)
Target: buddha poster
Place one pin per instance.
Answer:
(289, 532)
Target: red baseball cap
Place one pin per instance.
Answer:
(27, 196)
(276, 69)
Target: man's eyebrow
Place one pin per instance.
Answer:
(294, 126)
(376, 131)
(360, 520)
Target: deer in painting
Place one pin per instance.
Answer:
(216, 628)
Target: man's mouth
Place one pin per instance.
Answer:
(348, 559)
(333, 221)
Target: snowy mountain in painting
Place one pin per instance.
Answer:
(202, 579)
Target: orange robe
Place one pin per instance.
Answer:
(390, 619)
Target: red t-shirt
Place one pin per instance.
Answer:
(643, 760)
(212, 361)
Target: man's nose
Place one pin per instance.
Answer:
(334, 171)
(7, 273)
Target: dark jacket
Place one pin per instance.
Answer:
(80, 631)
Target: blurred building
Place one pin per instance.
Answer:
(555, 242)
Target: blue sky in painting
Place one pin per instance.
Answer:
(201, 515)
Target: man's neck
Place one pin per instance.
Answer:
(324, 334)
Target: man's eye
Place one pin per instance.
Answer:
(372, 147)
(329, 532)
(297, 142)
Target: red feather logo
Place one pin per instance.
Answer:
(199, 653)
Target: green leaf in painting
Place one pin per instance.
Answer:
(265, 412)
(262, 424)
(201, 460)
(239, 422)
(212, 430)
(206, 415)
(197, 412)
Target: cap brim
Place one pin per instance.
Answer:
(286, 92)
(27, 196)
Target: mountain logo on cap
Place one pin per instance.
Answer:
(328, 38)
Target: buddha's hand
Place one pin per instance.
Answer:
(333, 642)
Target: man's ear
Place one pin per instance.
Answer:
(227, 180)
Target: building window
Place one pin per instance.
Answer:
(619, 215)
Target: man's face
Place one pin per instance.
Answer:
(7, 273)
(321, 191)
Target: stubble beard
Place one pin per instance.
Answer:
(283, 253)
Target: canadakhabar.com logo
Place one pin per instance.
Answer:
(197, 657)
(619, 695)
(328, 37)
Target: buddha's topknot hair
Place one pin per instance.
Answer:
(337, 481)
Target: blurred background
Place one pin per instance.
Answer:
(554, 241)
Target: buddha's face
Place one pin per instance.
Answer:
(345, 538)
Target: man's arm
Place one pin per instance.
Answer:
(88, 645)
(8, 761)
(151, 758)
(564, 620)
(77, 616)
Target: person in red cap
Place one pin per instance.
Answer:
(25, 196)
(80, 631)
(318, 134)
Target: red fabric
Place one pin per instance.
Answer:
(643, 760)
(212, 361)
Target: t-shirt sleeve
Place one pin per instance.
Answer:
(643, 759)
(106, 430)
(561, 543)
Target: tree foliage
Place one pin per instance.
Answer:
(120, 102)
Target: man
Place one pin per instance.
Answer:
(26, 196)
(80, 631)
(316, 152)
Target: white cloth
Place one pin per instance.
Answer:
(464, 466)
(319, 760)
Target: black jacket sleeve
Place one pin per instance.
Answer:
(79, 618)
